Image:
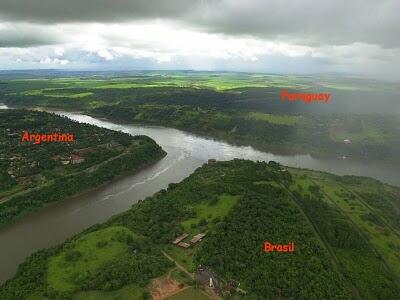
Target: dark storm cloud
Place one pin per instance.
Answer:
(315, 23)
(307, 22)
(24, 37)
(59, 11)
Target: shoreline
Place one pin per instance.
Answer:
(116, 178)
(273, 149)
(280, 150)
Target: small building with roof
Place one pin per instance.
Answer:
(76, 159)
(197, 238)
(180, 238)
(184, 245)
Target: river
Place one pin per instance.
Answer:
(186, 152)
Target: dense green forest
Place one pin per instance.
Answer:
(36, 174)
(339, 252)
(240, 108)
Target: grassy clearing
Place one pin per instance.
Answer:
(276, 119)
(343, 87)
(129, 292)
(358, 131)
(51, 92)
(210, 212)
(372, 135)
(183, 256)
(77, 95)
(86, 255)
(193, 226)
(127, 85)
(190, 293)
(181, 277)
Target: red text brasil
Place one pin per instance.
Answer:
(269, 247)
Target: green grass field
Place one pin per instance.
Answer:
(86, 255)
(190, 294)
(209, 212)
(129, 292)
(182, 256)
(276, 119)
(181, 277)
(51, 92)
(368, 134)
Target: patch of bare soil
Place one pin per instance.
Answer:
(164, 287)
(211, 293)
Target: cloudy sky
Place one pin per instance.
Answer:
(284, 36)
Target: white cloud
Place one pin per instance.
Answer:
(53, 61)
(168, 44)
(162, 41)
(105, 54)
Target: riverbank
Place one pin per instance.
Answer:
(240, 141)
(285, 150)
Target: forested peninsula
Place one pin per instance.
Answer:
(35, 174)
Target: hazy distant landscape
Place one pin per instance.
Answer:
(350, 94)
(361, 121)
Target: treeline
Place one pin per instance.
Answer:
(386, 203)
(142, 262)
(359, 263)
(30, 277)
(224, 124)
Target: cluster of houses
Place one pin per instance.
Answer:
(74, 158)
(13, 171)
(77, 157)
(179, 241)
(65, 160)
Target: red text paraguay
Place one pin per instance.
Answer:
(306, 98)
(53, 137)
